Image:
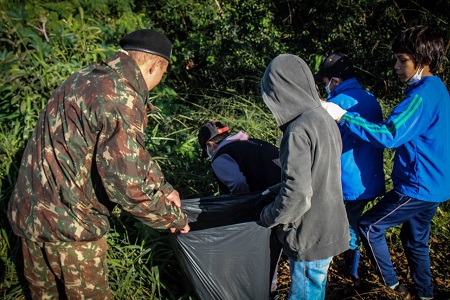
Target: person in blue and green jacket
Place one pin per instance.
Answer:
(418, 130)
(361, 163)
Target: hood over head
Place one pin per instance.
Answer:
(288, 88)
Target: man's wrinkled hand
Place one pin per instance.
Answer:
(175, 198)
(334, 110)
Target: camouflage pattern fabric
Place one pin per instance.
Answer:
(81, 265)
(88, 147)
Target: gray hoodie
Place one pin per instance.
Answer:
(308, 212)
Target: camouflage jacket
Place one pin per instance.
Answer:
(87, 148)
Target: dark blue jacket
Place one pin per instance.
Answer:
(242, 166)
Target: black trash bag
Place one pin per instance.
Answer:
(227, 255)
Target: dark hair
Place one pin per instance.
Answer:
(424, 45)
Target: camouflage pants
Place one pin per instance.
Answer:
(67, 270)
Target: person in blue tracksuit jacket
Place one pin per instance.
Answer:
(418, 129)
(361, 163)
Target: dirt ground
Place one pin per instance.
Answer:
(341, 287)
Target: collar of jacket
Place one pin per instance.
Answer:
(123, 64)
(349, 84)
(423, 80)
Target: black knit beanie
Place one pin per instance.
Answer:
(148, 40)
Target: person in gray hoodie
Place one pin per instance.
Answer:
(308, 212)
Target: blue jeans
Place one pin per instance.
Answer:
(415, 216)
(354, 209)
(308, 279)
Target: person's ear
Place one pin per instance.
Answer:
(211, 145)
(153, 64)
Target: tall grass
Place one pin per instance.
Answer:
(134, 265)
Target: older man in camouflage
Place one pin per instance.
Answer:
(87, 149)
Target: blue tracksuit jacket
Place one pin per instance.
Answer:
(361, 162)
(419, 129)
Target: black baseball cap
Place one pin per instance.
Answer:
(209, 131)
(336, 65)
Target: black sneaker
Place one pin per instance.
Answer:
(402, 291)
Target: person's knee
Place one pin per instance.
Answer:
(363, 227)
